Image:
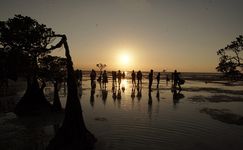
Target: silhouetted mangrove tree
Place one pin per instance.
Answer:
(231, 60)
(24, 41)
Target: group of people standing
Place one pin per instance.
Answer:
(118, 76)
(103, 78)
(139, 77)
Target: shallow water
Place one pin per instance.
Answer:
(163, 124)
(159, 121)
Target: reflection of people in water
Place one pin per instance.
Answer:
(119, 94)
(92, 98)
(104, 79)
(177, 96)
(133, 93)
(119, 97)
(139, 92)
(123, 88)
(158, 95)
(104, 95)
(114, 93)
(150, 98)
(150, 101)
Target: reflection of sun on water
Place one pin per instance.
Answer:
(124, 83)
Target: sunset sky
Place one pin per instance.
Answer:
(138, 34)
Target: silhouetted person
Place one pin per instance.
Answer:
(113, 77)
(176, 79)
(119, 76)
(139, 77)
(104, 79)
(158, 79)
(177, 96)
(133, 78)
(150, 79)
(93, 78)
(123, 75)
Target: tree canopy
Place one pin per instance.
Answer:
(23, 39)
(231, 59)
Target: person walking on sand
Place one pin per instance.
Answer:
(158, 79)
(177, 79)
(150, 79)
(133, 78)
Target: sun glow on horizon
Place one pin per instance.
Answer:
(124, 59)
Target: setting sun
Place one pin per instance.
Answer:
(124, 59)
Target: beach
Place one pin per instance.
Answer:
(204, 115)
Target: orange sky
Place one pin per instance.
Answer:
(153, 34)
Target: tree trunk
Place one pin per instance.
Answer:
(33, 102)
(56, 102)
(73, 133)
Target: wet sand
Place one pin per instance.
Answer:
(201, 116)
